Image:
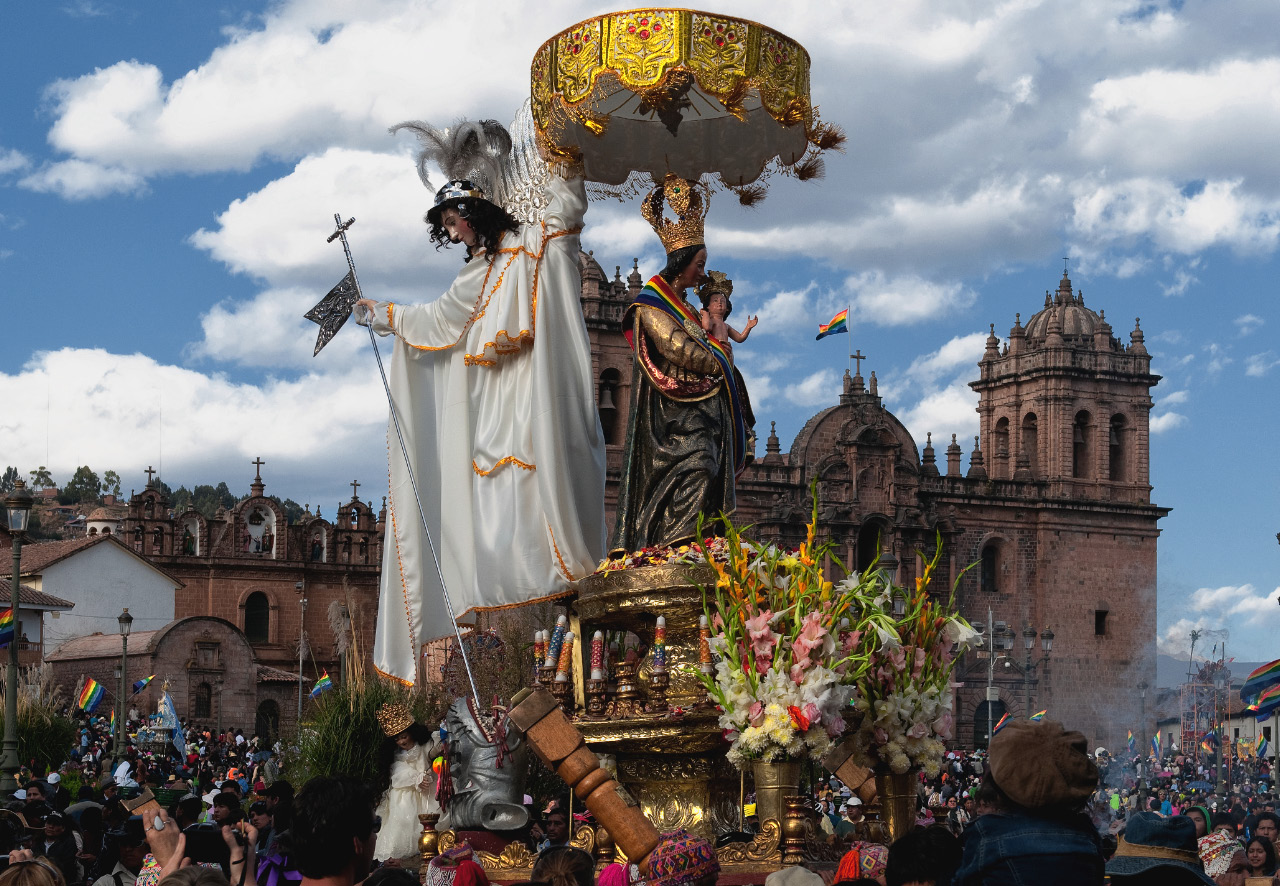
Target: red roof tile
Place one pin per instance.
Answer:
(28, 596)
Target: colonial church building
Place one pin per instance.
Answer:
(1052, 507)
(1053, 510)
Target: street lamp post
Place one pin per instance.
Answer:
(18, 506)
(301, 643)
(126, 622)
(1030, 667)
(220, 684)
(1142, 722)
(1219, 681)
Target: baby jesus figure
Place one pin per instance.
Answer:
(716, 308)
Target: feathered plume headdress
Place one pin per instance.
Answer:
(471, 155)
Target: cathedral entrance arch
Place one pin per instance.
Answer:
(873, 540)
(267, 721)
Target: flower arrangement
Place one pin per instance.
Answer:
(904, 694)
(802, 661)
(790, 646)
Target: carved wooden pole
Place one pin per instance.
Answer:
(560, 746)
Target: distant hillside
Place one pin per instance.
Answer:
(1172, 672)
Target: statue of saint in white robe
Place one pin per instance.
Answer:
(494, 389)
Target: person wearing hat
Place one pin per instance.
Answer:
(1039, 779)
(60, 844)
(1158, 851)
(406, 780)
(503, 354)
(130, 841)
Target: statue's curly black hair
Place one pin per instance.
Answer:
(488, 220)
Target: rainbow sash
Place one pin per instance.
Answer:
(657, 293)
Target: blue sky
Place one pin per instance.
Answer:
(169, 172)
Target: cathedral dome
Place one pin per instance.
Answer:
(1065, 312)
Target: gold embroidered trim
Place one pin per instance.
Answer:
(395, 537)
(510, 459)
(482, 304)
(513, 345)
(564, 570)
(391, 315)
(382, 673)
(559, 595)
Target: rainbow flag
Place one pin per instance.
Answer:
(1040, 716)
(1155, 746)
(1266, 703)
(324, 684)
(1263, 746)
(142, 684)
(6, 627)
(1133, 745)
(112, 724)
(90, 694)
(1266, 676)
(839, 323)
(1000, 724)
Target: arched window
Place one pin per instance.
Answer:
(1031, 442)
(985, 717)
(1001, 452)
(93, 530)
(1117, 455)
(607, 404)
(257, 618)
(1081, 451)
(872, 540)
(990, 575)
(204, 701)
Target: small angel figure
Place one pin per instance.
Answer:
(716, 308)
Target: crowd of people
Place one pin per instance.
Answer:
(1037, 808)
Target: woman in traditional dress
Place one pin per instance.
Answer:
(494, 389)
(687, 437)
(406, 780)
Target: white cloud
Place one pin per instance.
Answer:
(951, 410)
(1236, 600)
(1258, 365)
(1182, 281)
(1176, 638)
(788, 311)
(961, 352)
(1247, 323)
(13, 160)
(1167, 422)
(116, 401)
(906, 299)
(83, 180)
(821, 388)
(1173, 398)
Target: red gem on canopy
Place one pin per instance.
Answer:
(644, 35)
(719, 41)
(657, 26)
(643, 22)
(719, 27)
(731, 37)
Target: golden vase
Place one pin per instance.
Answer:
(774, 781)
(897, 801)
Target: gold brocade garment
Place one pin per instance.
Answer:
(679, 459)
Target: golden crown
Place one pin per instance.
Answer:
(394, 718)
(717, 281)
(688, 200)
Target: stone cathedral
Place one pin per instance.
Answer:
(1053, 512)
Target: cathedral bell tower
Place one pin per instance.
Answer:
(1066, 404)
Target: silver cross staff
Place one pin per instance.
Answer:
(341, 234)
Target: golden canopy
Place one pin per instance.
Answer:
(675, 90)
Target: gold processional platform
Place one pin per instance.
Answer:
(655, 731)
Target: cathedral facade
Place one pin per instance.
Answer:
(1047, 527)
(1048, 533)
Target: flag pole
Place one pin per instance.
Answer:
(341, 234)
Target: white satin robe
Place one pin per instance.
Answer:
(494, 388)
